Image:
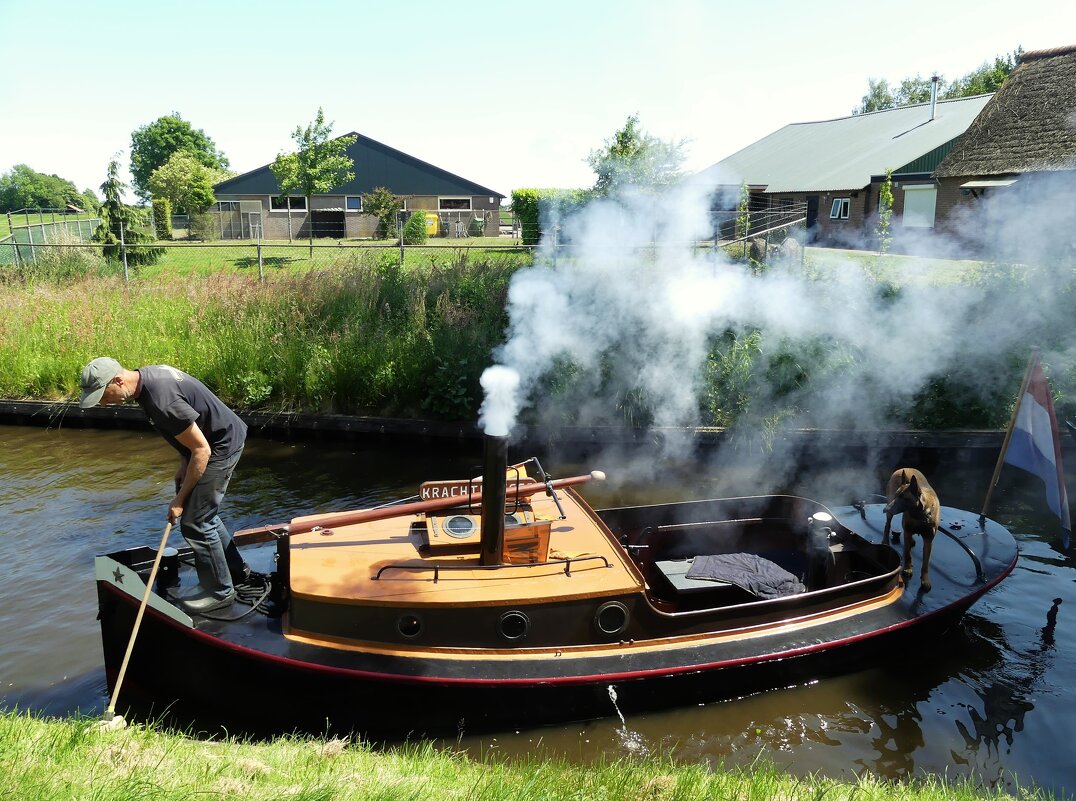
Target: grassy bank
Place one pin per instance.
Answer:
(355, 331)
(365, 336)
(46, 760)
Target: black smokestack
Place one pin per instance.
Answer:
(494, 473)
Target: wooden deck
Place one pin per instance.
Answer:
(340, 567)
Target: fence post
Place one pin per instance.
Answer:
(261, 275)
(123, 254)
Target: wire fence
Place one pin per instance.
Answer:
(54, 244)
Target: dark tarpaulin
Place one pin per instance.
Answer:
(752, 573)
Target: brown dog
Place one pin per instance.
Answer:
(909, 493)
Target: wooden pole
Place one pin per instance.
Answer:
(1008, 435)
(138, 619)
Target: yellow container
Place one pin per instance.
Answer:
(431, 224)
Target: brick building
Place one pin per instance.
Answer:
(835, 168)
(250, 206)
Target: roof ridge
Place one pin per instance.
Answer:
(1047, 53)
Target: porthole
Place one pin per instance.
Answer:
(513, 626)
(409, 626)
(611, 618)
(459, 526)
(514, 519)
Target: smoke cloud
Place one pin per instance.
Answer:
(628, 320)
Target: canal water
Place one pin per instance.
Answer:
(994, 700)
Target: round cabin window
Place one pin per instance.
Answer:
(611, 618)
(513, 626)
(409, 626)
(459, 526)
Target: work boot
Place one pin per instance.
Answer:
(199, 602)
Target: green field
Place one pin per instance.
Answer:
(23, 220)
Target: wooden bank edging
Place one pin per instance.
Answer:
(309, 425)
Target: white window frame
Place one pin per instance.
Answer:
(441, 200)
(289, 206)
(348, 209)
(840, 208)
(921, 200)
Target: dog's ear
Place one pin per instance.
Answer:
(913, 485)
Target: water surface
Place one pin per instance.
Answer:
(994, 699)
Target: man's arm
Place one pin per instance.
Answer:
(193, 440)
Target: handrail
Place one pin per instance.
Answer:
(437, 568)
(514, 492)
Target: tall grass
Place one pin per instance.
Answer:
(363, 337)
(45, 760)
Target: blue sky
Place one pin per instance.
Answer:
(505, 94)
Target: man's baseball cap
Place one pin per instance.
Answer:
(95, 377)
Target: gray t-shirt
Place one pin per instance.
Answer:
(173, 400)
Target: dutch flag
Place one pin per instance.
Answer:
(1034, 445)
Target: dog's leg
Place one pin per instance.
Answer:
(924, 576)
(888, 524)
(907, 571)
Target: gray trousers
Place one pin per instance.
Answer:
(215, 556)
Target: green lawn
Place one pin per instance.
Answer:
(281, 258)
(22, 220)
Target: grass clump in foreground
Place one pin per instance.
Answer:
(68, 758)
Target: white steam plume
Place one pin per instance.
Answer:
(501, 404)
(627, 314)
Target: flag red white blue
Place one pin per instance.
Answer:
(1035, 447)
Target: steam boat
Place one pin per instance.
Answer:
(507, 602)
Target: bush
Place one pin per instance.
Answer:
(203, 226)
(536, 208)
(162, 217)
(381, 203)
(414, 231)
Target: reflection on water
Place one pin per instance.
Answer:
(991, 700)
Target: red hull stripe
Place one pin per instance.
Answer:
(395, 678)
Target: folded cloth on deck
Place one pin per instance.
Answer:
(758, 576)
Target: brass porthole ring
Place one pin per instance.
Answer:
(513, 626)
(611, 618)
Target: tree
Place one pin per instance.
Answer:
(24, 188)
(885, 212)
(384, 205)
(878, 97)
(743, 212)
(319, 165)
(186, 182)
(153, 144)
(632, 157)
(121, 223)
(987, 78)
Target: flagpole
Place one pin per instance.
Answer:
(1008, 435)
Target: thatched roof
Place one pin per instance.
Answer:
(1029, 125)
